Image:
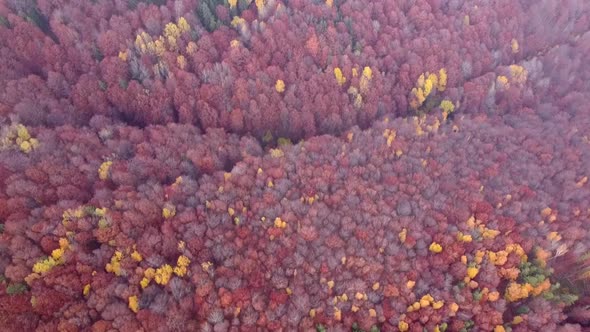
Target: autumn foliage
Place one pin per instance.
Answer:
(173, 165)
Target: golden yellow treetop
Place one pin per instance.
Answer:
(183, 25)
(340, 79)
(280, 86)
(442, 79)
(103, 170)
(172, 30)
(435, 248)
(133, 303)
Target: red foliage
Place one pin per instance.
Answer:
(166, 150)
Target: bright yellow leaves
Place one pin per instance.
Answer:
(22, 133)
(191, 48)
(44, 265)
(549, 214)
(260, 5)
(17, 136)
(25, 147)
(86, 290)
(403, 235)
(173, 31)
(410, 284)
(356, 94)
(514, 45)
(143, 41)
(55, 259)
(438, 304)
(498, 258)
(56, 254)
(425, 301)
(518, 74)
(541, 256)
(163, 274)
(442, 79)
(464, 237)
(330, 284)
(357, 97)
(472, 272)
(454, 307)
(181, 267)
(365, 79)
(279, 223)
(481, 229)
(237, 22)
(136, 256)
(103, 170)
(115, 265)
(518, 250)
(447, 107)
(309, 199)
(493, 296)
(426, 84)
(232, 3)
(183, 261)
(499, 328)
(159, 49)
(329, 3)
(168, 211)
(435, 248)
(479, 255)
(553, 236)
(516, 291)
(148, 275)
(181, 61)
(133, 303)
(403, 326)
(123, 55)
(159, 45)
(509, 273)
(280, 86)
(390, 135)
(101, 212)
(368, 73)
(183, 25)
(77, 213)
(502, 82)
(489, 233)
(419, 98)
(340, 79)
